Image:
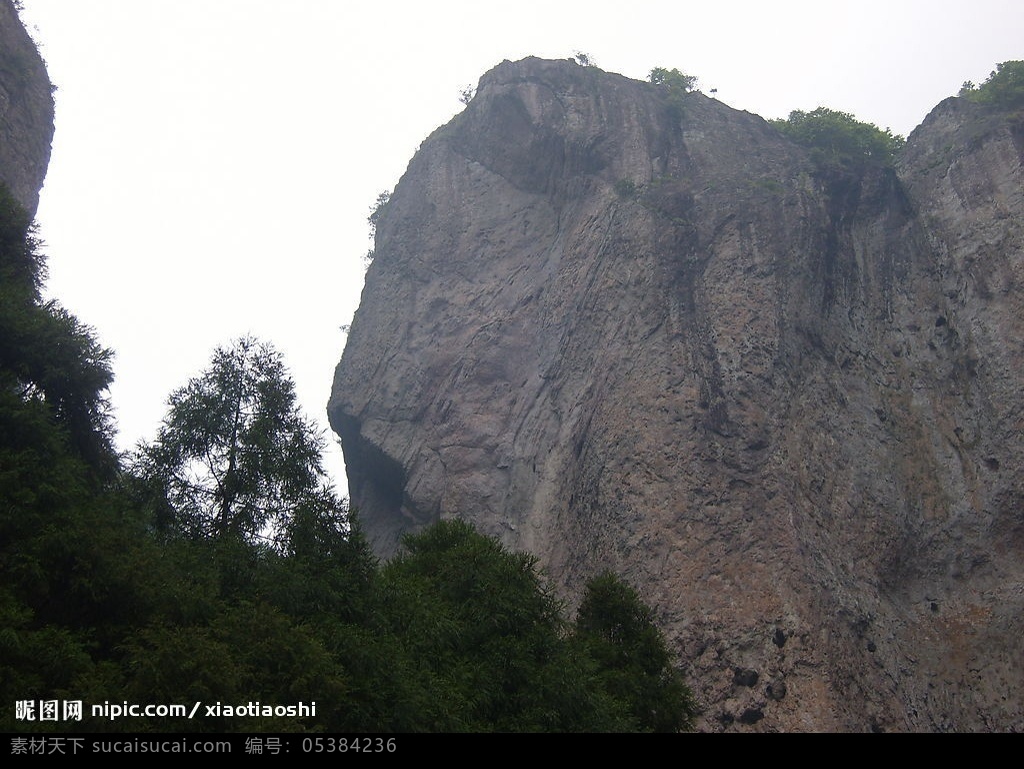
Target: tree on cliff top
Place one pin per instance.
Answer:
(839, 140)
(1004, 86)
(672, 79)
(676, 85)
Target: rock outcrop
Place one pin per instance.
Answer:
(26, 111)
(627, 334)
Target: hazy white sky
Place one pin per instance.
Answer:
(215, 160)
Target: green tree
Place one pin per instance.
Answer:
(619, 632)
(483, 642)
(60, 528)
(56, 457)
(93, 606)
(676, 86)
(234, 454)
(49, 362)
(838, 140)
(672, 79)
(1004, 86)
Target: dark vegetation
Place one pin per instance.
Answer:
(377, 209)
(217, 565)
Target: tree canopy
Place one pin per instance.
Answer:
(675, 84)
(620, 633)
(234, 453)
(672, 79)
(1004, 86)
(838, 140)
(498, 653)
(50, 364)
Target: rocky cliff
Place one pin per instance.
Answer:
(26, 111)
(627, 335)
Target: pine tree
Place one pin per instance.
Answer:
(235, 455)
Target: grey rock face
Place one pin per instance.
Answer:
(788, 408)
(26, 111)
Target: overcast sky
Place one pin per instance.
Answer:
(215, 160)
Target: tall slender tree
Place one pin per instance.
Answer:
(234, 454)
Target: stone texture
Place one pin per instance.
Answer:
(787, 408)
(26, 111)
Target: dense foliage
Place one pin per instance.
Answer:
(58, 533)
(219, 567)
(493, 647)
(675, 85)
(672, 79)
(1004, 86)
(234, 453)
(838, 141)
(49, 363)
(620, 634)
